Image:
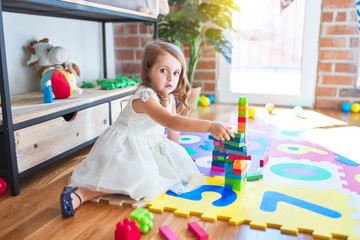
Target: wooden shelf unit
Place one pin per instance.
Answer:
(23, 115)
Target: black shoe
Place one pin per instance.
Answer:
(67, 209)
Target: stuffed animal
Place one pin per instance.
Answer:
(52, 64)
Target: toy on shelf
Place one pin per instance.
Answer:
(48, 92)
(346, 107)
(355, 107)
(127, 230)
(144, 219)
(86, 84)
(3, 186)
(119, 82)
(270, 107)
(52, 64)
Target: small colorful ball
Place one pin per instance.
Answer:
(298, 110)
(3, 186)
(355, 107)
(270, 107)
(251, 112)
(205, 101)
(212, 98)
(346, 107)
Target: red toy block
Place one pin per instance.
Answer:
(239, 157)
(167, 233)
(127, 230)
(264, 161)
(198, 231)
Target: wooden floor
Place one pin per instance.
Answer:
(35, 213)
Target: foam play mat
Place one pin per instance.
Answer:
(308, 184)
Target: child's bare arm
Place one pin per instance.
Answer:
(173, 135)
(180, 123)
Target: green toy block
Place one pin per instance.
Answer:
(242, 113)
(243, 101)
(239, 135)
(86, 84)
(144, 219)
(234, 144)
(235, 184)
(254, 176)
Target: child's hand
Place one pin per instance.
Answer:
(220, 131)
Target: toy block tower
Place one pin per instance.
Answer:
(231, 156)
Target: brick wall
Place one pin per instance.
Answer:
(337, 66)
(338, 54)
(130, 39)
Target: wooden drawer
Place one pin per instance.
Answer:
(117, 106)
(40, 142)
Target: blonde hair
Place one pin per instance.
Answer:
(150, 54)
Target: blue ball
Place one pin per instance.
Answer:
(346, 107)
(212, 98)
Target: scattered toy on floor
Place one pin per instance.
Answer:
(270, 107)
(167, 233)
(346, 107)
(144, 219)
(355, 107)
(127, 230)
(251, 112)
(198, 231)
(204, 101)
(3, 186)
(298, 110)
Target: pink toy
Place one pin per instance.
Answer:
(3, 186)
(127, 230)
(264, 161)
(199, 232)
(167, 233)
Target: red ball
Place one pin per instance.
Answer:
(3, 186)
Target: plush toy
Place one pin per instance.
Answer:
(52, 64)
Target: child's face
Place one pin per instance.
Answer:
(165, 73)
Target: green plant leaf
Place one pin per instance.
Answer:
(208, 11)
(216, 38)
(195, 21)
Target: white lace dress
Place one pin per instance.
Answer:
(134, 157)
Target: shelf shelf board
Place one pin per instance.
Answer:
(28, 106)
(76, 9)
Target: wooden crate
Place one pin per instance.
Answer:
(40, 142)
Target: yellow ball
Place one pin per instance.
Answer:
(205, 101)
(355, 107)
(251, 112)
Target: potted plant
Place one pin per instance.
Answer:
(194, 22)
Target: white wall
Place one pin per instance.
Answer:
(81, 39)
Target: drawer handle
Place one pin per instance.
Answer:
(70, 116)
